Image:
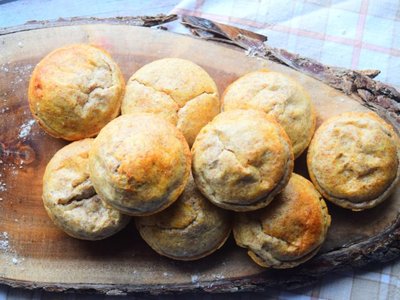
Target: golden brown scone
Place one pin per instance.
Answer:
(287, 232)
(70, 199)
(189, 229)
(139, 163)
(75, 90)
(242, 159)
(353, 160)
(278, 96)
(176, 89)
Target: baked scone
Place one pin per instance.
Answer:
(189, 229)
(242, 159)
(75, 90)
(353, 160)
(139, 163)
(287, 232)
(70, 199)
(176, 89)
(279, 96)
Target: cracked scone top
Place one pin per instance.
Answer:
(139, 163)
(176, 89)
(287, 232)
(70, 199)
(242, 159)
(353, 160)
(189, 229)
(279, 96)
(74, 91)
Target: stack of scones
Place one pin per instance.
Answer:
(190, 167)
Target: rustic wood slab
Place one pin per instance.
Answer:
(35, 254)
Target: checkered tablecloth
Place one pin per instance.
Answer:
(356, 34)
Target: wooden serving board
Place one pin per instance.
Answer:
(35, 254)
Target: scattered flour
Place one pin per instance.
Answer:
(218, 276)
(26, 128)
(17, 260)
(195, 278)
(4, 110)
(3, 186)
(5, 247)
(254, 51)
(17, 75)
(4, 244)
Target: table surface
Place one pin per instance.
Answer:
(356, 34)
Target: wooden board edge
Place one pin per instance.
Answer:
(380, 248)
(144, 21)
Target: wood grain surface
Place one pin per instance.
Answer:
(34, 253)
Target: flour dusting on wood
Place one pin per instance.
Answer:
(4, 244)
(26, 128)
(5, 247)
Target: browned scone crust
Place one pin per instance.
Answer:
(70, 199)
(176, 89)
(242, 159)
(189, 229)
(139, 163)
(279, 96)
(287, 232)
(75, 90)
(353, 160)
